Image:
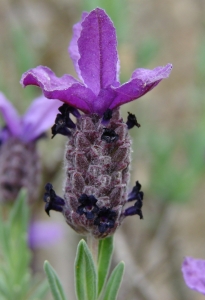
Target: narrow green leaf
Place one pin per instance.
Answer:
(114, 282)
(85, 273)
(104, 259)
(54, 282)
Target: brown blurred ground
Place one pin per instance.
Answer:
(178, 26)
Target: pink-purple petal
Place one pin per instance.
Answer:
(39, 117)
(194, 274)
(142, 81)
(73, 47)
(65, 88)
(97, 46)
(10, 115)
(150, 76)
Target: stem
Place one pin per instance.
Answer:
(93, 246)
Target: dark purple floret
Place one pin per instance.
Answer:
(67, 108)
(107, 116)
(105, 219)
(88, 206)
(109, 135)
(53, 202)
(132, 121)
(136, 193)
(135, 210)
(63, 121)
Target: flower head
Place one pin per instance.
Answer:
(93, 50)
(97, 155)
(19, 159)
(194, 274)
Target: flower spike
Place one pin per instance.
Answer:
(98, 150)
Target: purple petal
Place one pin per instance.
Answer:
(65, 88)
(10, 115)
(43, 234)
(194, 274)
(98, 51)
(73, 47)
(39, 117)
(142, 81)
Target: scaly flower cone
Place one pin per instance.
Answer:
(20, 167)
(98, 168)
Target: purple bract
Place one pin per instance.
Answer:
(93, 50)
(194, 274)
(37, 119)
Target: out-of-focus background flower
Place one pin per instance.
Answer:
(168, 155)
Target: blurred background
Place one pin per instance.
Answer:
(168, 155)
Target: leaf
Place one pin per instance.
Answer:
(104, 259)
(114, 282)
(85, 273)
(54, 282)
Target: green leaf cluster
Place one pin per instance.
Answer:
(91, 282)
(16, 280)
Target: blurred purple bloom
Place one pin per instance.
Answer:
(43, 234)
(37, 119)
(93, 50)
(194, 274)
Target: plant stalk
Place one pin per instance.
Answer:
(93, 246)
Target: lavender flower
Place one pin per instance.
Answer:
(19, 159)
(97, 154)
(194, 274)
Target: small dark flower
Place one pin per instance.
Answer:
(132, 121)
(63, 121)
(135, 210)
(107, 116)
(105, 219)
(65, 107)
(136, 194)
(109, 135)
(88, 206)
(53, 202)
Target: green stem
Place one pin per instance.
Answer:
(93, 246)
